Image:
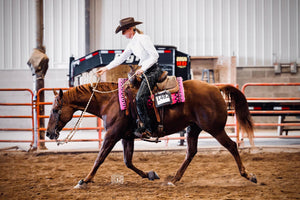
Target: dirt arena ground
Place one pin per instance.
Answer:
(212, 175)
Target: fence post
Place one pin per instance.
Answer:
(35, 124)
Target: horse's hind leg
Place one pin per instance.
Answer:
(128, 147)
(231, 146)
(192, 142)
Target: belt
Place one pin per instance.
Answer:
(152, 68)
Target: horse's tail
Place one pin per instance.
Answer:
(239, 102)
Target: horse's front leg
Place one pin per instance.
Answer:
(109, 142)
(128, 148)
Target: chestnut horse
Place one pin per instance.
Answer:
(204, 109)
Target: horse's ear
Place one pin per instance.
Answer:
(131, 67)
(61, 93)
(54, 92)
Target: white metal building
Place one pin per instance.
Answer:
(258, 32)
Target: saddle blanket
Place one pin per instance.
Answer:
(177, 97)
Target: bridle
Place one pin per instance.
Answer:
(57, 114)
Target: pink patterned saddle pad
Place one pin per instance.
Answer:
(177, 97)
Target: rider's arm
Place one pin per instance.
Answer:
(118, 60)
(153, 55)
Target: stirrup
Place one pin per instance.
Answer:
(151, 140)
(142, 132)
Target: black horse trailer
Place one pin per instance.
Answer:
(170, 59)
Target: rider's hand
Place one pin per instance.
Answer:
(139, 72)
(101, 71)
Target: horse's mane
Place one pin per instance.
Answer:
(77, 91)
(104, 86)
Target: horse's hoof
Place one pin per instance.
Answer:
(81, 185)
(170, 184)
(152, 176)
(253, 178)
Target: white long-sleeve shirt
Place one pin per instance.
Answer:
(142, 47)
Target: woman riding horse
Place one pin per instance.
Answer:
(142, 47)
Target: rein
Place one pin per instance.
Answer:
(74, 130)
(148, 85)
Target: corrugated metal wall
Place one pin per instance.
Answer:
(64, 23)
(64, 30)
(16, 35)
(256, 31)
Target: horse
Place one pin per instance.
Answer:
(204, 109)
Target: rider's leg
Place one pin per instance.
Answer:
(141, 105)
(142, 97)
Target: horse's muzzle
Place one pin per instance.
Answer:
(51, 135)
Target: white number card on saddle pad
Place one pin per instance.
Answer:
(162, 98)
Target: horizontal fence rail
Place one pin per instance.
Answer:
(36, 104)
(283, 111)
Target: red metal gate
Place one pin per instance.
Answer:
(29, 103)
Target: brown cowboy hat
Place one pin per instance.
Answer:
(126, 23)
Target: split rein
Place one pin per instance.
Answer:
(75, 128)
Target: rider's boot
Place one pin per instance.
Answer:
(145, 130)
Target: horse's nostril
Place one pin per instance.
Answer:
(49, 135)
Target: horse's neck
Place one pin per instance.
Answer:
(79, 98)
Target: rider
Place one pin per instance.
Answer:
(142, 47)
